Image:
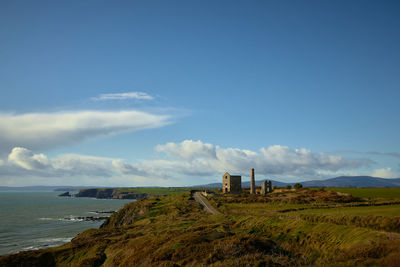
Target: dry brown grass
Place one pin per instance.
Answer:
(175, 231)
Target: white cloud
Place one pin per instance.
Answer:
(63, 165)
(375, 153)
(123, 96)
(188, 149)
(185, 163)
(46, 130)
(126, 168)
(384, 173)
(25, 159)
(198, 158)
(23, 167)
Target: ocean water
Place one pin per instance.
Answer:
(33, 220)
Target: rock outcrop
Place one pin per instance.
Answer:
(109, 193)
(66, 194)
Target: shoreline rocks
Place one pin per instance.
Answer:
(66, 194)
(89, 218)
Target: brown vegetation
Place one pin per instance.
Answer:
(175, 231)
(292, 196)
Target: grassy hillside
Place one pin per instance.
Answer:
(392, 193)
(129, 192)
(154, 190)
(288, 228)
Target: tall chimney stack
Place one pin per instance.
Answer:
(252, 183)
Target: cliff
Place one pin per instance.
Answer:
(252, 231)
(109, 193)
(66, 194)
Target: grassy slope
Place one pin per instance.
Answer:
(390, 193)
(154, 190)
(174, 230)
(389, 211)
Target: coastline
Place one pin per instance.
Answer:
(41, 219)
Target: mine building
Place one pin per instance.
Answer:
(266, 187)
(231, 183)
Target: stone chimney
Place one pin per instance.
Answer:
(252, 183)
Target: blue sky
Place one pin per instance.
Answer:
(298, 89)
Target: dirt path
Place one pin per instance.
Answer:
(204, 202)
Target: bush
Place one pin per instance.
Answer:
(297, 186)
(288, 187)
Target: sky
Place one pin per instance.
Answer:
(176, 93)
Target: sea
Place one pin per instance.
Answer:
(34, 220)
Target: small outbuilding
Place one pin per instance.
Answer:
(231, 183)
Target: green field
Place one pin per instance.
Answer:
(155, 190)
(391, 193)
(252, 230)
(389, 211)
(258, 208)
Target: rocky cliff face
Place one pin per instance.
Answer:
(113, 193)
(66, 194)
(130, 213)
(175, 231)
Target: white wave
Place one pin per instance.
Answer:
(47, 242)
(46, 219)
(54, 240)
(31, 248)
(71, 219)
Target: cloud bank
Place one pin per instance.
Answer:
(377, 153)
(185, 163)
(384, 173)
(47, 130)
(198, 158)
(123, 96)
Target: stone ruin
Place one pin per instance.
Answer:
(233, 184)
(266, 187)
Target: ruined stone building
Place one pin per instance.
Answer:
(266, 187)
(231, 183)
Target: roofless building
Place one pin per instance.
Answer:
(231, 183)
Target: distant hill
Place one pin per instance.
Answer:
(43, 188)
(258, 183)
(354, 181)
(342, 181)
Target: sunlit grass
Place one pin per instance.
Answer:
(388, 210)
(393, 193)
(175, 230)
(155, 190)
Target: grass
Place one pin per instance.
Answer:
(258, 208)
(175, 231)
(389, 211)
(155, 190)
(389, 193)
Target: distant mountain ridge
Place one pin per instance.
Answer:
(43, 188)
(341, 181)
(354, 181)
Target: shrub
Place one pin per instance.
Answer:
(288, 187)
(298, 186)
